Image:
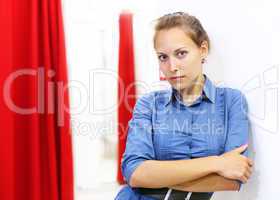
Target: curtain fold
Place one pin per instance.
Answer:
(126, 86)
(35, 141)
(7, 121)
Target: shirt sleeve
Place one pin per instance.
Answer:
(238, 124)
(139, 145)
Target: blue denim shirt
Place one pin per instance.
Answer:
(164, 128)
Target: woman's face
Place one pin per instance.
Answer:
(180, 59)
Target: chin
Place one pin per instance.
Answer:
(179, 86)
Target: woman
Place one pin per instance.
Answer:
(191, 140)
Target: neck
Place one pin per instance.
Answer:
(191, 93)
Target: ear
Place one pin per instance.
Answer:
(204, 48)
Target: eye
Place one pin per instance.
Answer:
(182, 54)
(162, 58)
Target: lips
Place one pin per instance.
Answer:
(176, 77)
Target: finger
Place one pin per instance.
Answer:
(241, 148)
(241, 178)
(250, 161)
(247, 174)
(245, 158)
(244, 179)
(251, 170)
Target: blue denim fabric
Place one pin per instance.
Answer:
(164, 128)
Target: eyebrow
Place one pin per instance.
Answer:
(175, 50)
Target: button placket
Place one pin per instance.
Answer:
(215, 139)
(190, 132)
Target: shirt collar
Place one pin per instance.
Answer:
(209, 91)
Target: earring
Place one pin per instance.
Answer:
(203, 60)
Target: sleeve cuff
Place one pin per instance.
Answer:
(129, 169)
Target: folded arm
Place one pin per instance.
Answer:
(210, 183)
(157, 174)
(140, 168)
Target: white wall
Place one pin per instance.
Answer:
(245, 55)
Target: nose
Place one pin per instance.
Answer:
(173, 65)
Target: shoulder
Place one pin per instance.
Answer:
(148, 103)
(233, 97)
(154, 97)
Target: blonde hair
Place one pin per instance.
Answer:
(190, 24)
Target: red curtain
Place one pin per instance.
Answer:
(126, 90)
(35, 137)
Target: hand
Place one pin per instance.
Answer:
(233, 165)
